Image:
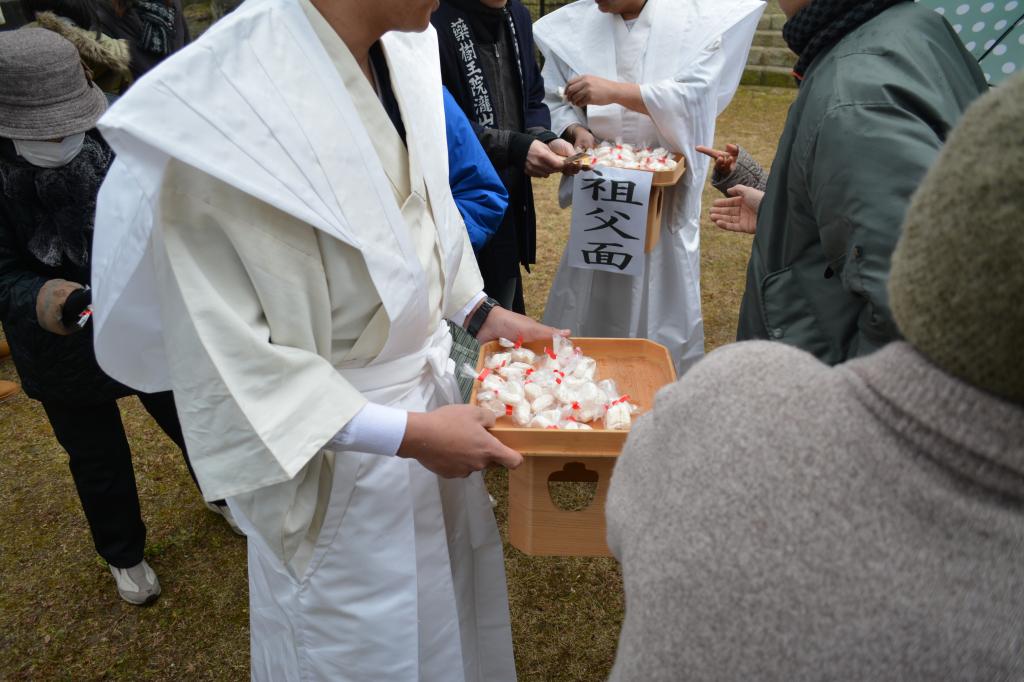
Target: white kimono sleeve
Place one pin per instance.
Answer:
(555, 75)
(247, 333)
(684, 108)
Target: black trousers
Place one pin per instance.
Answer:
(101, 465)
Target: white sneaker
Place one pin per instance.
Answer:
(137, 585)
(225, 511)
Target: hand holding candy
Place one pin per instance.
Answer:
(586, 90)
(541, 161)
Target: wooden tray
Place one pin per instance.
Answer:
(639, 368)
(536, 526)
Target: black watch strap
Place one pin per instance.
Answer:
(477, 319)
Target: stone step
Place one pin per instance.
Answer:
(771, 56)
(772, 76)
(771, 22)
(769, 39)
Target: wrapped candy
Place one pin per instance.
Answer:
(617, 417)
(489, 380)
(498, 360)
(517, 352)
(512, 393)
(586, 369)
(521, 413)
(546, 420)
(515, 372)
(543, 402)
(524, 355)
(624, 155)
(590, 403)
(534, 391)
(609, 388)
(489, 401)
(556, 390)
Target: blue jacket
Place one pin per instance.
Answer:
(478, 191)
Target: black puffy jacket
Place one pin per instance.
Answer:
(46, 225)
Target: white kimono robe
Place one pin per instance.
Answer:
(259, 254)
(687, 56)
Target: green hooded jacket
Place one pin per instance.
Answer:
(871, 117)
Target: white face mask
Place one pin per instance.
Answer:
(50, 154)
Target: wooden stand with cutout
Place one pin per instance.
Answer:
(536, 525)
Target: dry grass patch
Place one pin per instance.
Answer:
(60, 617)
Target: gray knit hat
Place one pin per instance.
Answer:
(957, 281)
(44, 92)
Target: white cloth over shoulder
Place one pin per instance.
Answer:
(222, 121)
(688, 57)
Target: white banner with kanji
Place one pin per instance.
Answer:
(609, 220)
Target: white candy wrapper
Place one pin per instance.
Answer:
(534, 391)
(543, 402)
(547, 420)
(521, 414)
(524, 355)
(512, 393)
(618, 417)
(610, 389)
(540, 421)
(586, 369)
(590, 403)
(555, 389)
(514, 372)
(495, 406)
(497, 360)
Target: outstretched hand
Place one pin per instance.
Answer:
(725, 162)
(737, 213)
(501, 323)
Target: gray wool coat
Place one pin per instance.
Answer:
(778, 519)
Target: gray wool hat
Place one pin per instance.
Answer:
(957, 280)
(44, 91)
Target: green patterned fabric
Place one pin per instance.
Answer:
(465, 350)
(991, 30)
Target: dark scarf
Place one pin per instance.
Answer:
(157, 26)
(823, 23)
(61, 202)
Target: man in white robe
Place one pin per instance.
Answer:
(277, 242)
(654, 72)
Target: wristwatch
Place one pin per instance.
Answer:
(477, 319)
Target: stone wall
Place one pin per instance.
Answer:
(770, 61)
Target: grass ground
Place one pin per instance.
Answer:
(61, 619)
